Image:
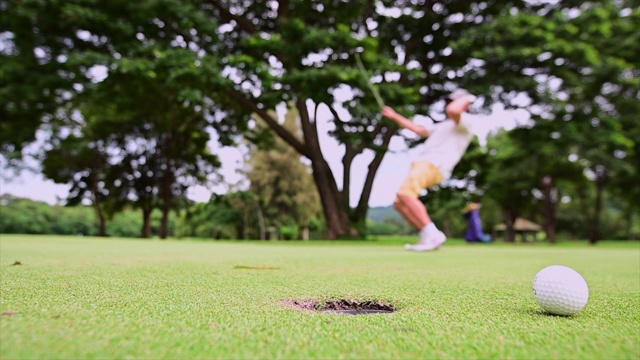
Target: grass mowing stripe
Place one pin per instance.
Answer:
(116, 298)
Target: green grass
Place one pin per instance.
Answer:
(87, 298)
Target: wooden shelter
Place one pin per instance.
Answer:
(522, 227)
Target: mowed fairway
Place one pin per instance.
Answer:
(87, 298)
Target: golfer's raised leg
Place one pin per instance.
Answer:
(422, 175)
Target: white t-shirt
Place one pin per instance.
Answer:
(447, 142)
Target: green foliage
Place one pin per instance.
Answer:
(581, 87)
(24, 216)
(382, 228)
(289, 232)
(387, 221)
(138, 137)
(178, 70)
(125, 224)
(225, 216)
(217, 219)
(28, 217)
(282, 183)
(444, 205)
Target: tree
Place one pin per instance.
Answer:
(80, 162)
(148, 113)
(282, 183)
(414, 62)
(224, 216)
(158, 118)
(35, 75)
(581, 84)
(24, 216)
(248, 57)
(601, 89)
(268, 71)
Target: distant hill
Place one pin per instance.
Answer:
(378, 214)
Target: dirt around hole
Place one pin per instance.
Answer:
(341, 306)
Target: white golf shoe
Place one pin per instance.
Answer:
(428, 244)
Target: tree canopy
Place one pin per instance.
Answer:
(145, 84)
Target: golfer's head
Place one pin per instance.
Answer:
(458, 102)
(461, 96)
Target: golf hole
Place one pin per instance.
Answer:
(342, 306)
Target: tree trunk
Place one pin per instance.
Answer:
(600, 181)
(102, 229)
(360, 214)
(337, 217)
(164, 223)
(550, 206)
(585, 215)
(510, 219)
(628, 224)
(245, 224)
(335, 204)
(96, 203)
(146, 223)
(239, 231)
(342, 221)
(261, 221)
(166, 182)
(594, 233)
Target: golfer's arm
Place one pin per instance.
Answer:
(456, 108)
(410, 125)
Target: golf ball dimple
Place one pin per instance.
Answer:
(560, 290)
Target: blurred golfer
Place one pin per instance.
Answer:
(446, 142)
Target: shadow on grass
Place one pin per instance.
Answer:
(544, 313)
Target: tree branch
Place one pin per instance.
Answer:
(309, 130)
(283, 9)
(335, 115)
(368, 11)
(363, 145)
(244, 24)
(356, 149)
(284, 134)
(363, 204)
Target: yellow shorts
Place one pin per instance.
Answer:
(423, 175)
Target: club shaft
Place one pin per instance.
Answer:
(373, 89)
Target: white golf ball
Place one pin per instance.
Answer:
(560, 290)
